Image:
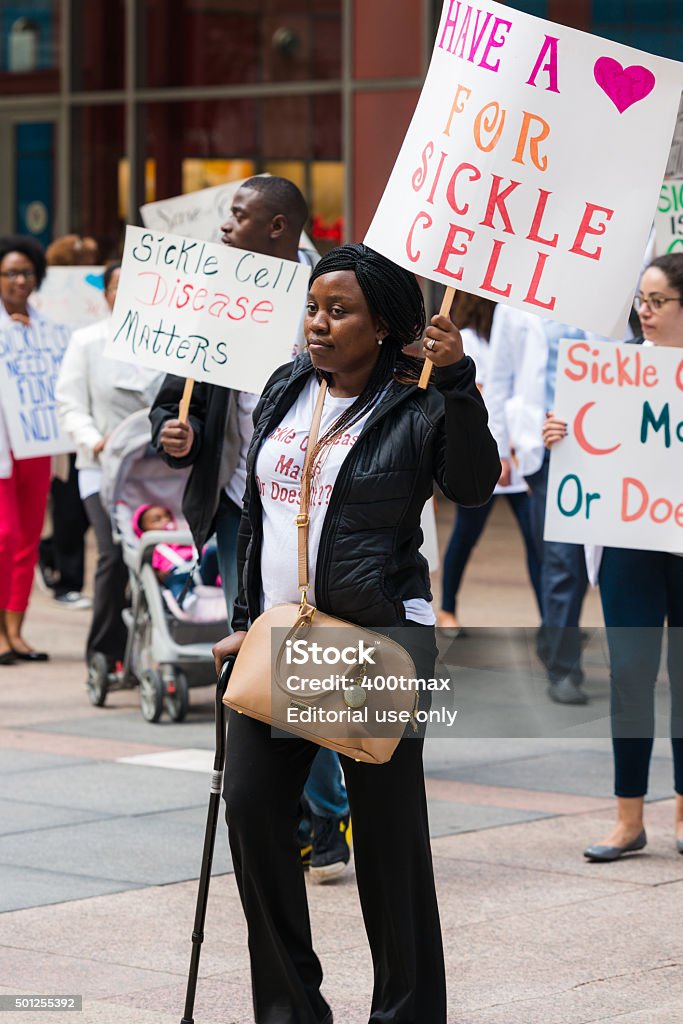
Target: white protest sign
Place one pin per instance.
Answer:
(194, 215)
(30, 358)
(674, 167)
(205, 311)
(616, 479)
(199, 214)
(518, 179)
(72, 295)
(669, 219)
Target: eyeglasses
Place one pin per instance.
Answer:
(654, 302)
(14, 275)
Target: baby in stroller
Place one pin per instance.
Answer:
(168, 649)
(175, 564)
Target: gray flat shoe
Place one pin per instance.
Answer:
(679, 845)
(566, 692)
(607, 853)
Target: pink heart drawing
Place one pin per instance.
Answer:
(624, 86)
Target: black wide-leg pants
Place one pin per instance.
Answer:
(264, 779)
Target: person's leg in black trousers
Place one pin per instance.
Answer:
(264, 780)
(633, 595)
(674, 585)
(521, 507)
(469, 524)
(396, 886)
(63, 552)
(107, 630)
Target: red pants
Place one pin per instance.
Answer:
(23, 498)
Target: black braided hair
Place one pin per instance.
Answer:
(393, 296)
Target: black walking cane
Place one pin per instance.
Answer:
(209, 841)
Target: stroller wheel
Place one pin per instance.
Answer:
(98, 679)
(152, 691)
(177, 699)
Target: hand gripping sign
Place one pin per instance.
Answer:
(615, 480)
(205, 311)
(517, 178)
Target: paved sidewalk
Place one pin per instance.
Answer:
(103, 818)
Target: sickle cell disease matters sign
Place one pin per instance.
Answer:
(532, 167)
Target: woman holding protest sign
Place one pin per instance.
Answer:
(640, 591)
(24, 483)
(383, 442)
(94, 394)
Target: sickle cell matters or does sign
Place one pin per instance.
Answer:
(616, 479)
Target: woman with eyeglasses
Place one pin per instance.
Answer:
(24, 483)
(640, 591)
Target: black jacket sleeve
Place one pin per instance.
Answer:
(166, 406)
(240, 617)
(467, 467)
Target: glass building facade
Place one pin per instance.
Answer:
(107, 104)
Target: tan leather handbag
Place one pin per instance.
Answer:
(319, 677)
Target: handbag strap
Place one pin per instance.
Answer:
(303, 518)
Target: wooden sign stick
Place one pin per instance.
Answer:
(185, 400)
(444, 311)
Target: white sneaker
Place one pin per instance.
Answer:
(73, 599)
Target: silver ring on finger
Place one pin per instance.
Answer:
(430, 344)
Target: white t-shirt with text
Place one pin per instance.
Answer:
(279, 465)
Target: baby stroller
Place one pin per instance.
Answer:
(167, 651)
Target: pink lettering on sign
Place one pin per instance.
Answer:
(471, 34)
(580, 433)
(549, 49)
(624, 86)
(636, 502)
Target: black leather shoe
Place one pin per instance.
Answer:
(606, 853)
(566, 692)
(8, 658)
(30, 655)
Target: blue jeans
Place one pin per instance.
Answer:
(563, 587)
(179, 580)
(325, 789)
(227, 524)
(639, 591)
(469, 525)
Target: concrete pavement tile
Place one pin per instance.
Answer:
(70, 745)
(505, 796)
(192, 732)
(14, 762)
(98, 1012)
(588, 773)
(42, 972)
(16, 816)
(153, 927)
(22, 886)
(447, 757)
(161, 848)
(447, 817)
(112, 787)
(217, 1001)
(555, 845)
(641, 997)
(471, 893)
